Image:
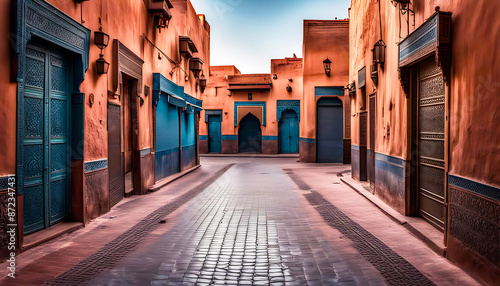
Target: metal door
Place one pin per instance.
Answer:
(431, 135)
(250, 135)
(372, 142)
(288, 131)
(46, 161)
(330, 134)
(214, 134)
(167, 139)
(115, 168)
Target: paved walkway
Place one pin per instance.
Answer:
(257, 222)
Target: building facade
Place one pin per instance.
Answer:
(77, 136)
(424, 97)
(324, 130)
(252, 113)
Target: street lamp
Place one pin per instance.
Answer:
(327, 64)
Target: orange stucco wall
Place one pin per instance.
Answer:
(128, 22)
(322, 39)
(473, 91)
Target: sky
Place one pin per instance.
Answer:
(249, 33)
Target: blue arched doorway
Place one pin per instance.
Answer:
(330, 135)
(250, 135)
(288, 132)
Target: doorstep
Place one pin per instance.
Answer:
(165, 181)
(39, 237)
(432, 237)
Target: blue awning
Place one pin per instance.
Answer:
(165, 87)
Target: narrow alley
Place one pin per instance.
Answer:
(242, 221)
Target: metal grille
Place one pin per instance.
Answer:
(116, 186)
(363, 118)
(431, 134)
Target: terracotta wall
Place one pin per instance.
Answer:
(322, 39)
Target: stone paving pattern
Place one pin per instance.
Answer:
(257, 222)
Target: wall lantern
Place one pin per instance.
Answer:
(202, 82)
(327, 64)
(379, 52)
(195, 65)
(102, 65)
(101, 40)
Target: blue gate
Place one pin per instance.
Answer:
(330, 134)
(46, 161)
(289, 132)
(188, 138)
(250, 135)
(214, 134)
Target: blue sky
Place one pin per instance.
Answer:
(249, 33)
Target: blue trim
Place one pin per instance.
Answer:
(389, 159)
(355, 147)
(269, 138)
(145, 152)
(308, 140)
(478, 188)
(368, 151)
(282, 105)
(229, 137)
(162, 85)
(176, 101)
(204, 137)
(95, 165)
(328, 90)
(248, 103)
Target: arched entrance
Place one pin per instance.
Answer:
(250, 135)
(330, 135)
(288, 131)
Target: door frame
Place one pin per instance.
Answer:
(260, 129)
(79, 52)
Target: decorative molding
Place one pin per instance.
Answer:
(328, 90)
(432, 37)
(125, 61)
(282, 105)
(238, 104)
(95, 165)
(213, 112)
(145, 152)
(475, 187)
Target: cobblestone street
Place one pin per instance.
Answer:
(243, 221)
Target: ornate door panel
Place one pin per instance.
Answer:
(45, 139)
(116, 184)
(431, 140)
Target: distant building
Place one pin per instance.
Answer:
(424, 85)
(79, 137)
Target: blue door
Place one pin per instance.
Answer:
(214, 134)
(330, 135)
(46, 138)
(250, 135)
(289, 132)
